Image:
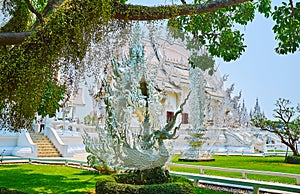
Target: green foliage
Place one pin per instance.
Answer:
(10, 191)
(123, 1)
(27, 69)
(202, 61)
(20, 16)
(292, 159)
(144, 177)
(198, 190)
(260, 121)
(287, 27)
(39, 5)
(18, 23)
(61, 42)
(287, 125)
(264, 7)
(176, 188)
(108, 184)
(50, 102)
(228, 46)
(215, 31)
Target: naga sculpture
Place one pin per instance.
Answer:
(132, 95)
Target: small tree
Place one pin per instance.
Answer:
(287, 125)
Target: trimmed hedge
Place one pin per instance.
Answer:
(144, 177)
(10, 191)
(292, 159)
(109, 185)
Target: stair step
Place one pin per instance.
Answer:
(43, 143)
(46, 142)
(45, 146)
(49, 155)
(47, 150)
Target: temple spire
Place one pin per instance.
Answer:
(257, 110)
(244, 119)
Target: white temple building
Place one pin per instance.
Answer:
(224, 117)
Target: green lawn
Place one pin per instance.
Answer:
(47, 179)
(53, 179)
(275, 164)
(61, 179)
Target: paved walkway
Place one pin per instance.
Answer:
(80, 157)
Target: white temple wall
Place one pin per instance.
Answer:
(25, 146)
(82, 111)
(7, 144)
(79, 111)
(18, 145)
(171, 102)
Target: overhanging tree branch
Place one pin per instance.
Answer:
(147, 13)
(183, 2)
(49, 7)
(33, 10)
(135, 12)
(13, 38)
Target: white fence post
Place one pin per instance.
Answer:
(201, 171)
(244, 175)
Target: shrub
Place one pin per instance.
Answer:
(181, 180)
(174, 188)
(10, 191)
(144, 177)
(109, 184)
(292, 159)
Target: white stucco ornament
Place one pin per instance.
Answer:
(132, 94)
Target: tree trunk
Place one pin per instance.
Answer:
(294, 149)
(13, 38)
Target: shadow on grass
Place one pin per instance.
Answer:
(47, 179)
(52, 179)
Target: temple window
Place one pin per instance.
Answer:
(185, 118)
(170, 115)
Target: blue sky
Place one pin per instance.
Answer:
(260, 72)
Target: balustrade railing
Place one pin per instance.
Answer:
(55, 161)
(242, 171)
